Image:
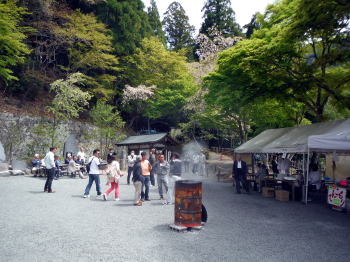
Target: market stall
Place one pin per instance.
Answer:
(326, 137)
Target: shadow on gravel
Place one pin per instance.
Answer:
(36, 192)
(124, 204)
(77, 196)
(162, 227)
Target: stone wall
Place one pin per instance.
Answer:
(22, 136)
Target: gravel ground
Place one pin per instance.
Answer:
(36, 226)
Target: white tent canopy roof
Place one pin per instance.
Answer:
(325, 137)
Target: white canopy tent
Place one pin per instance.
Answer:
(321, 137)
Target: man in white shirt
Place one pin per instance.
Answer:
(49, 161)
(81, 153)
(131, 163)
(94, 173)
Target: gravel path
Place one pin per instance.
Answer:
(36, 226)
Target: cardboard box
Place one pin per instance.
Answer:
(282, 195)
(268, 192)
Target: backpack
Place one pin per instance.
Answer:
(88, 166)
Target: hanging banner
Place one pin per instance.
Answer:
(336, 196)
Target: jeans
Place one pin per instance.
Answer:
(162, 180)
(130, 169)
(50, 175)
(92, 178)
(145, 187)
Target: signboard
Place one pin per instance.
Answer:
(336, 196)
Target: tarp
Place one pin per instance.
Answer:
(142, 139)
(326, 137)
(258, 143)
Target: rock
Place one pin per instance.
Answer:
(16, 173)
(19, 164)
(2, 153)
(4, 167)
(71, 145)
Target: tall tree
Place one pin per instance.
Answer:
(252, 25)
(12, 46)
(154, 21)
(90, 50)
(128, 22)
(177, 28)
(219, 14)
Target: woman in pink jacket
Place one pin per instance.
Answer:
(113, 175)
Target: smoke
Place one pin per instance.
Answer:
(193, 147)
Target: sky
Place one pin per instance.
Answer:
(243, 9)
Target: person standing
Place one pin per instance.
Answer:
(50, 169)
(274, 165)
(152, 160)
(146, 173)
(195, 160)
(94, 173)
(113, 175)
(137, 179)
(175, 175)
(239, 172)
(131, 163)
(161, 169)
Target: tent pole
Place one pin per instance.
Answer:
(307, 175)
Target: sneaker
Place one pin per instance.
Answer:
(142, 200)
(98, 194)
(117, 199)
(147, 199)
(161, 198)
(104, 197)
(86, 196)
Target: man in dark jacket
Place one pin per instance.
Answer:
(137, 179)
(239, 172)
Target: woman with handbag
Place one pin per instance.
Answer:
(113, 175)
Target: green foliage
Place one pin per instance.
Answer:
(12, 36)
(109, 124)
(279, 62)
(155, 23)
(178, 31)
(69, 100)
(151, 65)
(219, 14)
(90, 52)
(128, 23)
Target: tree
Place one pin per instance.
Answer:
(12, 36)
(154, 21)
(177, 28)
(128, 23)
(151, 65)
(90, 52)
(135, 100)
(292, 58)
(68, 102)
(219, 14)
(109, 124)
(252, 25)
